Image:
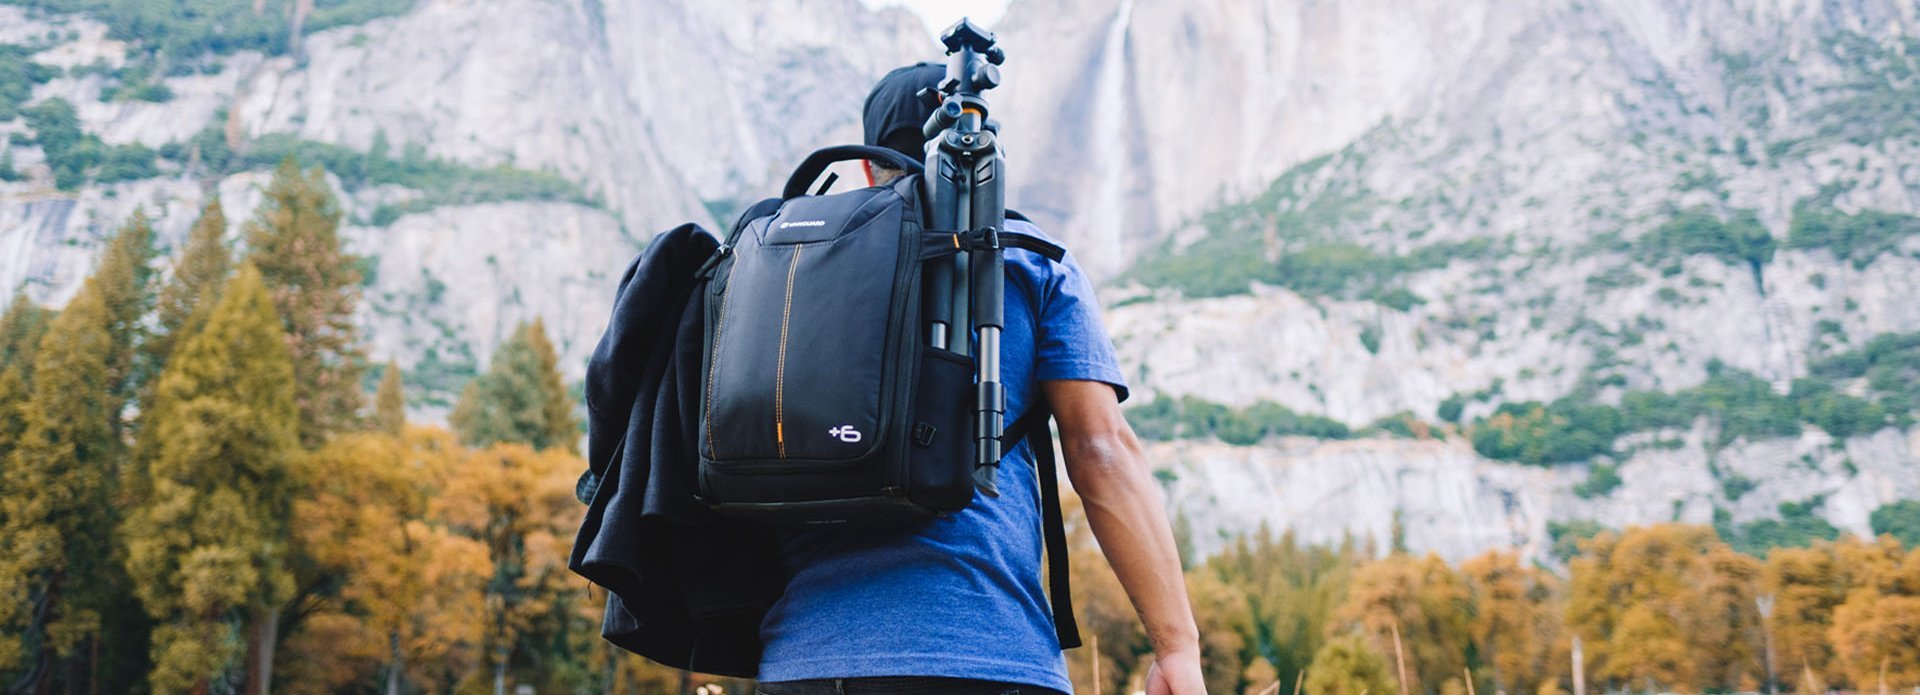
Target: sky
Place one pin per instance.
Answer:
(939, 14)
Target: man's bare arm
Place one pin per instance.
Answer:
(1124, 509)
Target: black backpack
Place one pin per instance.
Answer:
(823, 404)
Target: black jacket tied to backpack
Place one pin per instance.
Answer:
(688, 588)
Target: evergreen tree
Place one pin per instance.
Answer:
(206, 547)
(60, 503)
(294, 240)
(198, 274)
(390, 402)
(521, 397)
(125, 280)
(54, 540)
(20, 330)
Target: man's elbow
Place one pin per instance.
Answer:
(1109, 454)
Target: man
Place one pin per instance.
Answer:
(956, 606)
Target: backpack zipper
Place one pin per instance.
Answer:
(780, 372)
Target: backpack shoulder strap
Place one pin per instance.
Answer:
(1033, 426)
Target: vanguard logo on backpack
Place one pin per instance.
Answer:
(822, 402)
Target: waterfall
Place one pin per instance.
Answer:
(1100, 236)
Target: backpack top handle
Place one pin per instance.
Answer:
(820, 159)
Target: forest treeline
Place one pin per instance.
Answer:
(1667, 608)
(199, 494)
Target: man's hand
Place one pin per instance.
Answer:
(1126, 512)
(1176, 674)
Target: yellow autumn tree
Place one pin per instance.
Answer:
(1804, 586)
(1875, 632)
(518, 504)
(1668, 606)
(390, 401)
(411, 597)
(1514, 622)
(1226, 626)
(1723, 623)
(1422, 600)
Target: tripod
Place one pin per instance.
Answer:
(966, 188)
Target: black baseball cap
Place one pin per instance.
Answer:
(894, 111)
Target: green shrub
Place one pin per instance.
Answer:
(1564, 431)
(1402, 424)
(1900, 519)
(1187, 417)
(1839, 414)
(1740, 240)
(1567, 536)
(18, 75)
(1798, 527)
(1449, 410)
(1601, 481)
(1737, 486)
(1297, 222)
(186, 29)
(77, 157)
(439, 182)
(1858, 237)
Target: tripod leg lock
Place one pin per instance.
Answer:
(988, 426)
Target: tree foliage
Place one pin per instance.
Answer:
(207, 545)
(294, 240)
(198, 274)
(1350, 666)
(390, 401)
(521, 399)
(66, 453)
(57, 492)
(1422, 600)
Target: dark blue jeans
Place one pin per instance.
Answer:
(913, 685)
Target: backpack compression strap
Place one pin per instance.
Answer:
(936, 244)
(1032, 426)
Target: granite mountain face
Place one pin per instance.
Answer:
(1473, 270)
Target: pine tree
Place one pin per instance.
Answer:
(20, 330)
(198, 274)
(56, 500)
(521, 398)
(125, 282)
(390, 402)
(294, 240)
(206, 547)
(60, 503)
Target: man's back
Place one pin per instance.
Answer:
(961, 596)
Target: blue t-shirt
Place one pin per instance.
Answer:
(960, 597)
